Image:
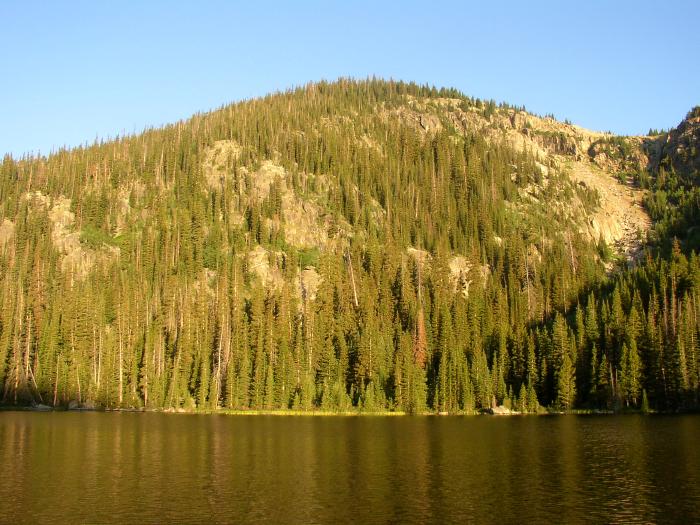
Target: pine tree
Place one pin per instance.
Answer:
(566, 383)
(178, 282)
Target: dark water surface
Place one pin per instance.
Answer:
(157, 468)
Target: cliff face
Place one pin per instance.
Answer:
(566, 155)
(678, 149)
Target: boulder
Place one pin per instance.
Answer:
(502, 411)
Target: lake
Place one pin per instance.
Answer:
(154, 468)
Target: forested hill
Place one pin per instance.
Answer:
(356, 245)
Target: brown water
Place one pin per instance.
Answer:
(156, 468)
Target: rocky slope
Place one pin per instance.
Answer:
(677, 149)
(598, 162)
(583, 180)
(574, 164)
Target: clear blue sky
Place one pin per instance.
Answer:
(72, 71)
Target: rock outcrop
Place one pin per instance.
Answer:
(678, 149)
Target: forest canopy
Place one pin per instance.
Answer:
(342, 246)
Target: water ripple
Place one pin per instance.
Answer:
(155, 468)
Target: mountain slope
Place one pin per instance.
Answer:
(356, 245)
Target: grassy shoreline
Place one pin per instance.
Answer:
(326, 413)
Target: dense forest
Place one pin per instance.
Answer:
(335, 247)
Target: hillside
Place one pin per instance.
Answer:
(356, 245)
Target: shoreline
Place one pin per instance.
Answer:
(326, 413)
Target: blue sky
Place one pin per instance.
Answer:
(74, 71)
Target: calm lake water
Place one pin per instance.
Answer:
(156, 468)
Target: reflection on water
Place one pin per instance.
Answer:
(148, 468)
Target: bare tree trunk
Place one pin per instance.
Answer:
(77, 376)
(28, 348)
(218, 365)
(99, 362)
(55, 385)
(352, 279)
(527, 281)
(121, 370)
(571, 254)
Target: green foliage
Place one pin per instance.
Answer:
(95, 238)
(645, 402)
(615, 147)
(604, 251)
(184, 316)
(309, 257)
